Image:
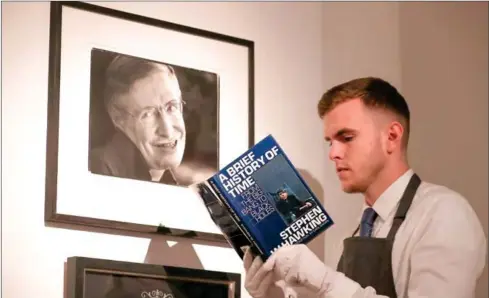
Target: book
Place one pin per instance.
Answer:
(261, 201)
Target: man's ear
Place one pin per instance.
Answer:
(117, 118)
(395, 132)
(118, 123)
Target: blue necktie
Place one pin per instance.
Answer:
(367, 222)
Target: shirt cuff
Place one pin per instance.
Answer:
(341, 286)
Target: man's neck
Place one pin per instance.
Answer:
(383, 180)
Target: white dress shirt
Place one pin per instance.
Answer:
(439, 250)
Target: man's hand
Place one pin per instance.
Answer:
(258, 279)
(299, 266)
(307, 204)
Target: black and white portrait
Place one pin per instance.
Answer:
(152, 121)
(139, 108)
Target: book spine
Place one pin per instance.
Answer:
(236, 218)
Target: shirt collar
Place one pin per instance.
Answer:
(388, 200)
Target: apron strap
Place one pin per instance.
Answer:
(406, 200)
(356, 230)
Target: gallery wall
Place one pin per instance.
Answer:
(301, 49)
(444, 51)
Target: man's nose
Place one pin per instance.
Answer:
(165, 126)
(335, 152)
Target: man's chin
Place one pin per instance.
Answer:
(168, 163)
(348, 188)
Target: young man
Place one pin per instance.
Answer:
(439, 248)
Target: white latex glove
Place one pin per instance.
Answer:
(259, 281)
(299, 266)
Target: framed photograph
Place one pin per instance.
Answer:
(139, 110)
(99, 278)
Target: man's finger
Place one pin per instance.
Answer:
(265, 281)
(270, 263)
(247, 258)
(255, 266)
(262, 272)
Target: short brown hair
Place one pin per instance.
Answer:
(374, 92)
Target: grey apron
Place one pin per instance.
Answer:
(367, 260)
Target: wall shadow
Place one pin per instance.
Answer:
(181, 254)
(317, 244)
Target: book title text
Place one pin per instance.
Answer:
(303, 226)
(237, 178)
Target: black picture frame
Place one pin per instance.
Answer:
(52, 216)
(103, 278)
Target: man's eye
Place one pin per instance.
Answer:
(348, 138)
(149, 113)
(172, 107)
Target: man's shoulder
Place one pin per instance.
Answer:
(113, 157)
(106, 153)
(444, 205)
(439, 196)
(442, 217)
(293, 197)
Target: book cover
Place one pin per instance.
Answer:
(260, 200)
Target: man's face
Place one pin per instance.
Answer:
(283, 195)
(356, 144)
(154, 120)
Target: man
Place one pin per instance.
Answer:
(144, 102)
(290, 206)
(439, 248)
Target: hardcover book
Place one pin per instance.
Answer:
(260, 200)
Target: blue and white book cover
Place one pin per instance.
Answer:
(269, 199)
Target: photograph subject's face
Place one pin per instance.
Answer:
(156, 125)
(355, 144)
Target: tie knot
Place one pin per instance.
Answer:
(369, 216)
(367, 223)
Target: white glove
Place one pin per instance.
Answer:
(299, 266)
(260, 281)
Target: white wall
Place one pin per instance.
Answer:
(445, 78)
(288, 70)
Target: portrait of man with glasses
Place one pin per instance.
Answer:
(145, 106)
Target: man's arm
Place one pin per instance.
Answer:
(299, 204)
